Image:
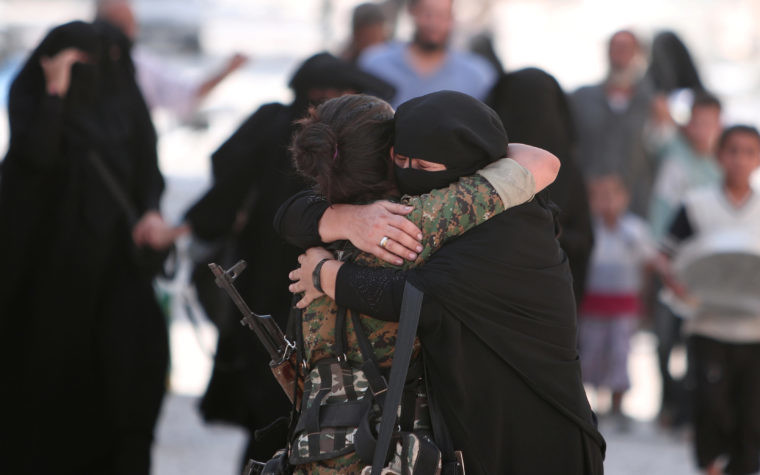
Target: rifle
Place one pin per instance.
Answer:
(280, 349)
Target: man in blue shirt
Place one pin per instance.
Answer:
(426, 64)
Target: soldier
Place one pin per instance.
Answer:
(253, 176)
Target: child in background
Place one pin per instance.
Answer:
(724, 350)
(610, 309)
(687, 162)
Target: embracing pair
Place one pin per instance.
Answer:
(494, 371)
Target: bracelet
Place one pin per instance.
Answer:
(315, 276)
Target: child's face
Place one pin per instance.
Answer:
(608, 197)
(703, 128)
(739, 157)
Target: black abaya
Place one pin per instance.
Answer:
(498, 329)
(84, 344)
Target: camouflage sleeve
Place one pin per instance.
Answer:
(450, 212)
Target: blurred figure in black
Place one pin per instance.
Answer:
(84, 343)
(253, 176)
(671, 66)
(535, 111)
(369, 26)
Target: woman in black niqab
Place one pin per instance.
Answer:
(464, 142)
(498, 331)
(84, 344)
(535, 111)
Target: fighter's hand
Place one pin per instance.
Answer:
(57, 69)
(302, 277)
(367, 226)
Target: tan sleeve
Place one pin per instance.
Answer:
(513, 182)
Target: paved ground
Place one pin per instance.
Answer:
(186, 446)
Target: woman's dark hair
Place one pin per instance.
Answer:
(737, 129)
(343, 145)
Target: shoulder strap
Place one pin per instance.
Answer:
(115, 188)
(410, 315)
(340, 336)
(450, 464)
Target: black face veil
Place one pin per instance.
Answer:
(446, 127)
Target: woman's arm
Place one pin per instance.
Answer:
(446, 213)
(543, 165)
(308, 220)
(441, 214)
(449, 212)
(369, 290)
(297, 220)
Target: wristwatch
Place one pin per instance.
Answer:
(315, 276)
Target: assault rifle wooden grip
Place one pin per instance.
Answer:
(280, 349)
(286, 375)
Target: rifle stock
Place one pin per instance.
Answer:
(280, 349)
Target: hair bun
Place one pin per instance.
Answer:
(314, 147)
(342, 146)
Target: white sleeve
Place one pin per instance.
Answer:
(670, 183)
(646, 248)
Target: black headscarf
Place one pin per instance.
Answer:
(323, 70)
(446, 127)
(671, 66)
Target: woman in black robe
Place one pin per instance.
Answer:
(535, 111)
(498, 327)
(84, 343)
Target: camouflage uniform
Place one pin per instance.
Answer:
(441, 215)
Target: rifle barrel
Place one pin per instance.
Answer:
(265, 328)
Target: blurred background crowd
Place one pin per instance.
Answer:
(631, 96)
